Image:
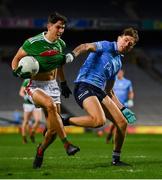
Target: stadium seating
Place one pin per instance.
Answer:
(113, 9)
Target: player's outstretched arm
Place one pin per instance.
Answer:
(87, 47)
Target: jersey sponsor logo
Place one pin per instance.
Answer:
(49, 53)
(83, 94)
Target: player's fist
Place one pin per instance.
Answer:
(70, 57)
(65, 90)
(17, 72)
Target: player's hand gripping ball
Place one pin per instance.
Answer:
(28, 67)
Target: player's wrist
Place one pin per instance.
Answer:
(73, 54)
(130, 99)
(122, 109)
(130, 103)
(16, 72)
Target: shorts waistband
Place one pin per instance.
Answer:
(77, 84)
(44, 82)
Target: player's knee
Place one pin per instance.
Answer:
(50, 106)
(98, 122)
(123, 125)
(51, 132)
(101, 123)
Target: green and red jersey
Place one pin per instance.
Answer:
(45, 52)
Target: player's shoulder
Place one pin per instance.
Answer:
(36, 38)
(104, 42)
(33, 39)
(105, 45)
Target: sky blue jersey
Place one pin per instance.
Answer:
(121, 88)
(101, 65)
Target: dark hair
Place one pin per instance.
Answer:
(54, 17)
(131, 32)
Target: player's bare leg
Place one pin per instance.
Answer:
(115, 115)
(25, 126)
(54, 125)
(110, 133)
(95, 117)
(37, 117)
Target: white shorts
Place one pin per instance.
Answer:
(30, 108)
(50, 88)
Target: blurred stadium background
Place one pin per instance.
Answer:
(88, 21)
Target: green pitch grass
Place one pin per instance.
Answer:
(143, 152)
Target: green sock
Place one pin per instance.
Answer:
(64, 141)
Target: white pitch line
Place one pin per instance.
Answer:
(128, 170)
(47, 157)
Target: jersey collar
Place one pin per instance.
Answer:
(46, 38)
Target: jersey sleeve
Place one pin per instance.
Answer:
(32, 49)
(103, 46)
(27, 47)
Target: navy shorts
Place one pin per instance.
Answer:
(84, 90)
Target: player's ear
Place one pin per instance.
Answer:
(49, 25)
(119, 37)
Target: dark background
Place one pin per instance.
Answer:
(143, 65)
